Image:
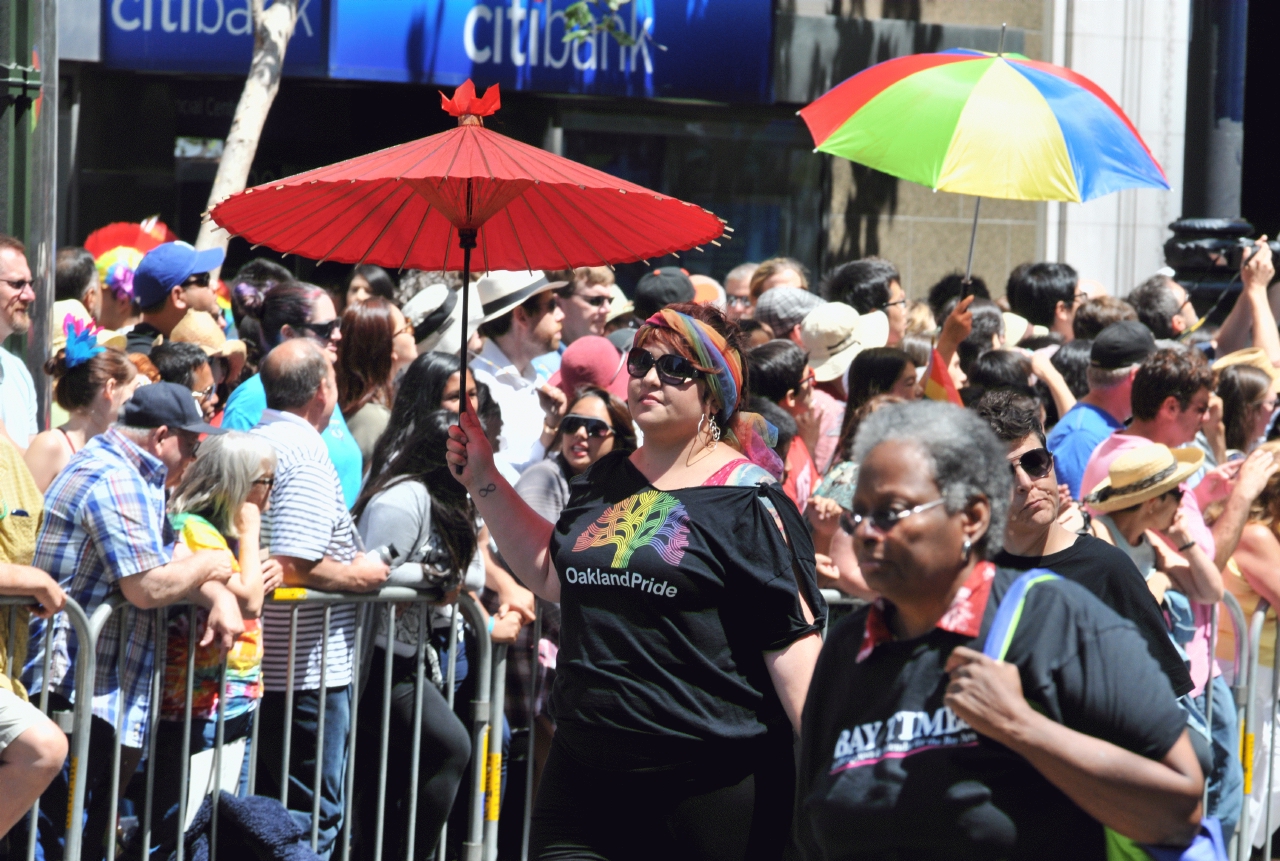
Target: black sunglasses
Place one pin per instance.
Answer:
(200, 279)
(598, 428)
(323, 331)
(673, 370)
(594, 301)
(1036, 463)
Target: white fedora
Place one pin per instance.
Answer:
(503, 290)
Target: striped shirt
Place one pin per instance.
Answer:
(104, 520)
(307, 519)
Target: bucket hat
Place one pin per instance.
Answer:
(835, 333)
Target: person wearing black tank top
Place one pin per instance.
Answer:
(691, 615)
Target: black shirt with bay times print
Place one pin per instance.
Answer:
(887, 771)
(669, 600)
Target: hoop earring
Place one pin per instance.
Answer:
(701, 421)
(965, 549)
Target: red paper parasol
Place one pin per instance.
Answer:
(414, 205)
(144, 236)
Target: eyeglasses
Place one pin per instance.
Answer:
(406, 329)
(810, 377)
(268, 480)
(1176, 493)
(1036, 463)
(883, 521)
(673, 370)
(593, 301)
(19, 285)
(200, 279)
(205, 393)
(738, 301)
(188, 444)
(597, 428)
(888, 305)
(323, 331)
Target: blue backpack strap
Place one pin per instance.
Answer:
(1010, 611)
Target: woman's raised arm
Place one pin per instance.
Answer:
(523, 536)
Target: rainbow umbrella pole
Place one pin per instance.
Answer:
(990, 125)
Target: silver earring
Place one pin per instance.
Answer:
(701, 421)
(964, 551)
(715, 433)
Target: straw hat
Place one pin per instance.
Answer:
(72, 307)
(1254, 357)
(199, 328)
(1142, 474)
(834, 333)
(502, 291)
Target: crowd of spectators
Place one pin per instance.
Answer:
(666, 477)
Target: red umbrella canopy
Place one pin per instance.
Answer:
(402, 207)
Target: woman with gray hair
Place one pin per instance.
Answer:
(917, 744)
(217, 506)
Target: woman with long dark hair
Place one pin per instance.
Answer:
(370, 354)
(691, 615)
(286, 311)
(415, 505)
(367, 281)
(1248, 402)
(429, 383)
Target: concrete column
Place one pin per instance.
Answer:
(1136, 50)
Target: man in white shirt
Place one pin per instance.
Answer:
(17, 391)
(522, 321)
(311, 534)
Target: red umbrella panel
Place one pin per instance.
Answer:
(403, 207)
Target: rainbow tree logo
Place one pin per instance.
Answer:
(652, 518)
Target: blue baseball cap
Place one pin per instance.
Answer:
(166, 266)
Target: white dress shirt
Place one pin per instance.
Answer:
(520, 443)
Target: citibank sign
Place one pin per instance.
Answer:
(213, 36)
(704, 49)
(713, 49)
(534, 35)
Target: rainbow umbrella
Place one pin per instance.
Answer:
(989, 125)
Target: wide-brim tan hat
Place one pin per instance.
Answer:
(1254, 357)
(1142, 474)
(199, 328)
(835, 333)
(73, 307)
(500, 291)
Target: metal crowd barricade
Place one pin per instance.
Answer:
(81, 713)
(486, 712)
(1248, 737)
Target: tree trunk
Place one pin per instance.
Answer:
(272, 28)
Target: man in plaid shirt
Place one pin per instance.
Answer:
(105, 533)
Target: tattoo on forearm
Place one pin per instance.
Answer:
(485, 491)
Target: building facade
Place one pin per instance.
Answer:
(700, 103)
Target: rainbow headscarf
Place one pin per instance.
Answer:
(748, 432)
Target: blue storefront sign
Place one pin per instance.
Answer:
(697, 49)
(205, 36)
